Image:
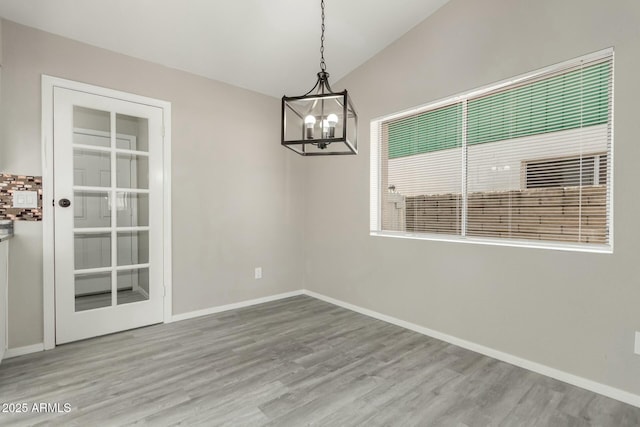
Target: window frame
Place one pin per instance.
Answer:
(376, 163)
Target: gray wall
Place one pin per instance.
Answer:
(237, 198)
(576, 312)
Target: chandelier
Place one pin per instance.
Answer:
(321, 122)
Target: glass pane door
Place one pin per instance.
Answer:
(110, 209)
(109, 213)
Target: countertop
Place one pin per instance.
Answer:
(6, 229)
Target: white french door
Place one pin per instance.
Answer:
(108, 190)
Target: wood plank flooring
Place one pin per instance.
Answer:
(293, 362)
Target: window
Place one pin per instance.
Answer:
(522, 162)
(566, 172)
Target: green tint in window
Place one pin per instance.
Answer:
(433, 130)
(572, 100)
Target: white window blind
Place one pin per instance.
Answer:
(526, 161)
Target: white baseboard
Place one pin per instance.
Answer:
(21, 351)
(242, 304)
(603, 389)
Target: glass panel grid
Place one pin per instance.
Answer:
(111, 227)
(92, 291)
(91, 209)
(133, 247)
(133, 285)
(92, 250)
(132, 171)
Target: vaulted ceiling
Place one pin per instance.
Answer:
(270, 46)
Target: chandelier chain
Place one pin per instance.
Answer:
(323, 66)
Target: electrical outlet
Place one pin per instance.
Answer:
(258, 273)
(637, 348)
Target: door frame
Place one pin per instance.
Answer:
(48, 252)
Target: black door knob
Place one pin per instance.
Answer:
(65, 203)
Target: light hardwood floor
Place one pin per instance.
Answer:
(293, 362)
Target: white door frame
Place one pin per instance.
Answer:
(48, 266)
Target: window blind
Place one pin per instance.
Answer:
(527, 160)
(418, 198)
(434, 130)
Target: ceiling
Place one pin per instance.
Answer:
(269, 46)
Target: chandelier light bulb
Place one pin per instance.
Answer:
(309, 123)
(332, 121)
(325, 128)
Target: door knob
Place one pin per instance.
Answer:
(65, 203)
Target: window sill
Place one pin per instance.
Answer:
(595, 248)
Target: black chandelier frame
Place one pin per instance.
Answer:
(320, 103)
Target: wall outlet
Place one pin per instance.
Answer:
(258, 273)
(637, 348)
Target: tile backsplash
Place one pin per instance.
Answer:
(9, 184)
